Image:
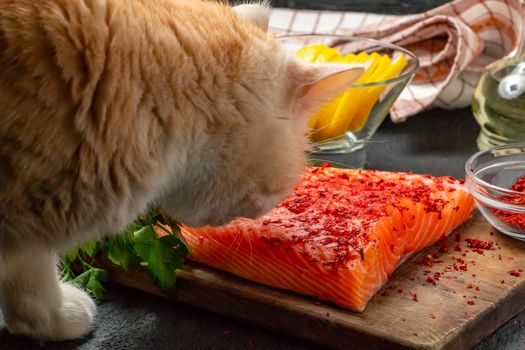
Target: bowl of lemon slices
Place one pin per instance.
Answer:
(346, 123)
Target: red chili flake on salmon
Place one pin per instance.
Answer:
(414, 297)
(332, 238)
(457, 238)
(515, 273)
(400, 290)
(502, 281)
(470, 302)
(457, 248)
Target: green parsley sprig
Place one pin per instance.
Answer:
(146, 243)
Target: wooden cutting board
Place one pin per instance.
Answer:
(441, 318)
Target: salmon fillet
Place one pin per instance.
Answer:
(340, 235)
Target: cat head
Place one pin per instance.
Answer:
(252, 157)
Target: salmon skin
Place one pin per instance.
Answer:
(340, 235)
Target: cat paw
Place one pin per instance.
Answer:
(73, 319)
(76, 314)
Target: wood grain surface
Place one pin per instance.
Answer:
(441, 318)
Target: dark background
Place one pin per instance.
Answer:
(378, 6)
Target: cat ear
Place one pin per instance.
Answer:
(258, 14)
(318, 83)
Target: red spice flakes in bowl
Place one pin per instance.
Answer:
(496, 179)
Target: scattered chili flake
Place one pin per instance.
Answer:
(470, 302)
(477, 288)
(479, 244)
(502, 281)
(327, 314)
(431, 280)
(400, 290)
(458, 237)
(515, 273)
(469, 286)
(457, 247)
(414, 297)
(385, 294)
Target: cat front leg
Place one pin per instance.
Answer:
(35, 303)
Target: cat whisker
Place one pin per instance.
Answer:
(241, 237)
(320, 143)
(330, 161)
(251, 249)
(233, 242)
(315, 131)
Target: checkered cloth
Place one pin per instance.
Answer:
(455, 43)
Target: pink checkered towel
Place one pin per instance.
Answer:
(455, 43)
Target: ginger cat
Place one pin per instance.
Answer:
(108, 106)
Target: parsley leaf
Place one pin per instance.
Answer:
(147, 243)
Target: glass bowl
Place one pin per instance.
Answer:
(366, 105)
(496, 179)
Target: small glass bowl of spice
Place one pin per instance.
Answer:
(496, 179)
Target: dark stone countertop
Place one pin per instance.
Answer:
(436, 142)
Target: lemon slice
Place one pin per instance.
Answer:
(372, 94)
